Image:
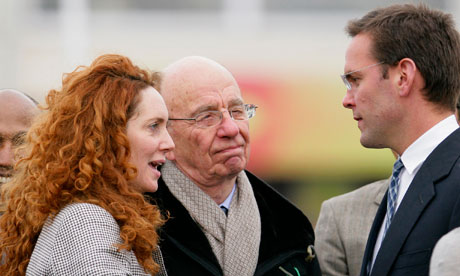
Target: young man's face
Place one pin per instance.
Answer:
(371, 97)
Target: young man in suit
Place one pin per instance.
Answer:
(401, 74)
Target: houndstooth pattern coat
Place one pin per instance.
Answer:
(80, 241)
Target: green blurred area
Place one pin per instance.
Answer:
(306, 144)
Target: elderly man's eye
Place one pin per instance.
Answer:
(206, 116)
(18, 139)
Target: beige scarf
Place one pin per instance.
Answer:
(234, 239)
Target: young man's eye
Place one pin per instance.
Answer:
(352, 78)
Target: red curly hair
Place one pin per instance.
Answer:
(78, 151)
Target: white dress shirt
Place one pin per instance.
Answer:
(413, 158)
(229, 198)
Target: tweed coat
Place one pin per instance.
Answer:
(343, 226)
(80, 241)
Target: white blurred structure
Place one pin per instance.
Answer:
(286, 54)
(41, 39)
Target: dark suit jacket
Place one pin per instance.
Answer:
(430, 209)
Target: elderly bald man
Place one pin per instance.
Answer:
(223, 219)
(16, 112)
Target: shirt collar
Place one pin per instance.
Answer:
(229, 198)
(419, 150)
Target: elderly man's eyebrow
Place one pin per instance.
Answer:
(19, 134)
(203, 108)
(236, 101)
(18, 138)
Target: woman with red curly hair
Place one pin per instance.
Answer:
(76, 205)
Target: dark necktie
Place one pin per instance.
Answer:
(224, 209)
(393, 194)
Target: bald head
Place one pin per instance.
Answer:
(16, 113)
(190, 74)
(15, 102)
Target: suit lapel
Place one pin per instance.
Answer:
(380, 197)
(373, 235)
(418, 196)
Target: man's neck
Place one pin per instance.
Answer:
(420, 116)
(417, 129)
(219, 192)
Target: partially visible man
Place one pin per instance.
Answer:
(16, 113)
(223, 219)
(401, 74)
(444, 261)
(343, 226)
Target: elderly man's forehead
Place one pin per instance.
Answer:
(190, 74)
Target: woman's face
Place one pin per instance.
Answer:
(148, 139)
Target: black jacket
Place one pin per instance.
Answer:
(286, 236)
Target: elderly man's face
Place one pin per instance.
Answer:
(215, 152)
(13, 126)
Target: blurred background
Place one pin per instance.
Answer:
(287, 56)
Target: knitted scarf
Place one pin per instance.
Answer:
(235, 238)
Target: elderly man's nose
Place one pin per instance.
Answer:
(228, 127)
(6, 153)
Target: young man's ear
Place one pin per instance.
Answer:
(407, 71)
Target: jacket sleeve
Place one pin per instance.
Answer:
(328, 244)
